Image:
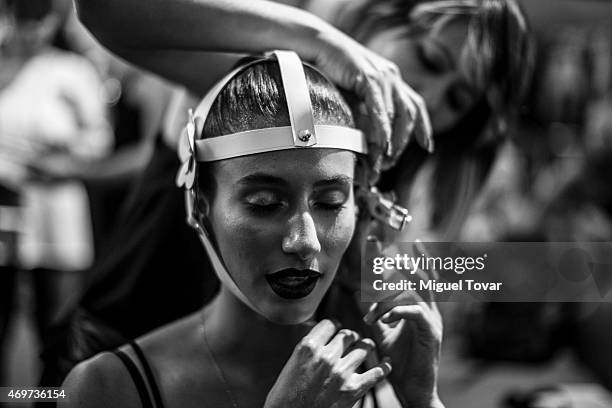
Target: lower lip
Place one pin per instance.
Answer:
(293, 290)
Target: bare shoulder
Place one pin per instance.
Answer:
(174, 341)
(101, 381)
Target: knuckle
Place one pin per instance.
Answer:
(307, 348)
(349, 333)
(337, 374)
(326, 360)
(392, 68)
(350, 389)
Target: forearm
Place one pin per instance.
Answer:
(248, 26)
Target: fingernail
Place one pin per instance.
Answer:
(372, 307)
(387, 362)
(430, 145)
(369, 342)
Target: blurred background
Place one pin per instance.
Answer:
(550, 181)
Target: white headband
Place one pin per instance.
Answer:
(301, 133)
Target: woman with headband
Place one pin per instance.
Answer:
(269, 173)
(129, 280)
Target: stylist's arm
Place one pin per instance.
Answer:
(171, 38)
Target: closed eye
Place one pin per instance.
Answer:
(434, 58)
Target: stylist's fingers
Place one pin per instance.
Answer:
(422, 129)
(378, 309)
(370, 89)
(403, 126)
(388, 93)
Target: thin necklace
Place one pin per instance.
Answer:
(228, 389)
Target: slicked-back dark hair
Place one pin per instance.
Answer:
(255, 99)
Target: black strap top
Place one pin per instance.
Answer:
(148, 390)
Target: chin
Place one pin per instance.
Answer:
(289, 314)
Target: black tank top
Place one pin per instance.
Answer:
(148, 390)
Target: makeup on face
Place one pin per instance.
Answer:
(282, 221)
(434, 65)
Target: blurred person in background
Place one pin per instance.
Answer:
(50, 113)
(471, 61)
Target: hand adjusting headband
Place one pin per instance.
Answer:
(302, 133)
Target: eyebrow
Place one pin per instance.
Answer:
(263, 178)
(344, 180)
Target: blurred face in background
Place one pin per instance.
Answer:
(434, 64)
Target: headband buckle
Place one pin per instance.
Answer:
(385, 209)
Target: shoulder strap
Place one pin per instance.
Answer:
(148, 373)
(145, 399)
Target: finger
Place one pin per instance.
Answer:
(341, 341)
(388, 94)
(403, 127)
(423, 130)
(377, 310)
(373, 376)
(407, 312)
(322, 332)
(373, 96)
(374, 174)
(357, 354)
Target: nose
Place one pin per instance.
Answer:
(301, 239)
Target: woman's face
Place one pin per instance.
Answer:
(434, 65)
(282, 221)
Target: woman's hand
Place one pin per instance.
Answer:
(321, 372)
(395, 112)
(408, 331)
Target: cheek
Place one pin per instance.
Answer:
(336, 239)
(240, 239)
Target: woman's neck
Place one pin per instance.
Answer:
(233, 327)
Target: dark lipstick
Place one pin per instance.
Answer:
(293, 283)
